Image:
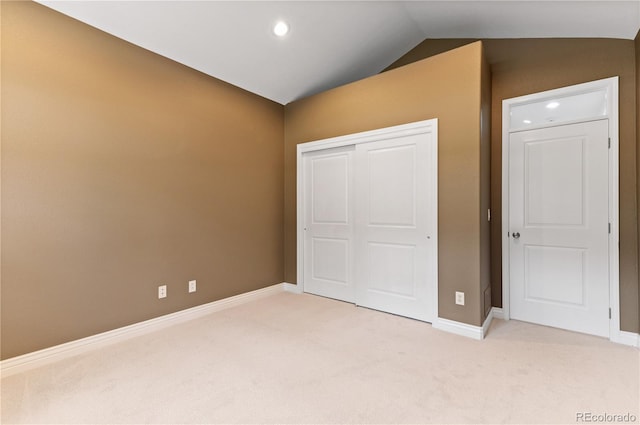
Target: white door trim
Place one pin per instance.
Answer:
(419, 127)
(611, 86)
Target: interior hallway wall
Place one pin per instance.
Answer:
(447, 87)
(637, 43)
(485, 185)
(524, 66)
(121, 171)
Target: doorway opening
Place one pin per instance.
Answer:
(560, 191)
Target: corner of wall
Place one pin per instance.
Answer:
(141, 171)
(485, 186)
(637, 117)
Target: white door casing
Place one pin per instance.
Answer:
(399, 233)
(558, 215)
(593, 101)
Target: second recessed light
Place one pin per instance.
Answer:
(281, 29)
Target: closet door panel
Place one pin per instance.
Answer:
(329, 224)
(392, 226)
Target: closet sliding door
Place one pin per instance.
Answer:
(368, 217)
(329, 223)
(393, 248)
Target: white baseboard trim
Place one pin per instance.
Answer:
(487, 323)
(292, 287)
(626, 338)
(464, 329)
(497, 313)
(459, 328)
(49, 355)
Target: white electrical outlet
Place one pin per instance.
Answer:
(459, 298)
(192, 286)
(162, 291)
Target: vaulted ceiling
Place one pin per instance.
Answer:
(331, 43)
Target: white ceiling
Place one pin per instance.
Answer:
(332, 42)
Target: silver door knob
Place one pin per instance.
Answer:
(516, 235)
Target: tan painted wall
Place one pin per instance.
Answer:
(446, 87)
(123, 170)
(637, 42)
(523, 66)
(485, 187)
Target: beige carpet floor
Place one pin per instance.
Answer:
(304, 359)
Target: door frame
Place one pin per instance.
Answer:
(611, 87)
(411, 129)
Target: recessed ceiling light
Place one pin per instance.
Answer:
(552, 105)
(281, 29)
(527, 121)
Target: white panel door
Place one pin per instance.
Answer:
(328, 241)
(394, 249)
(558, 221)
